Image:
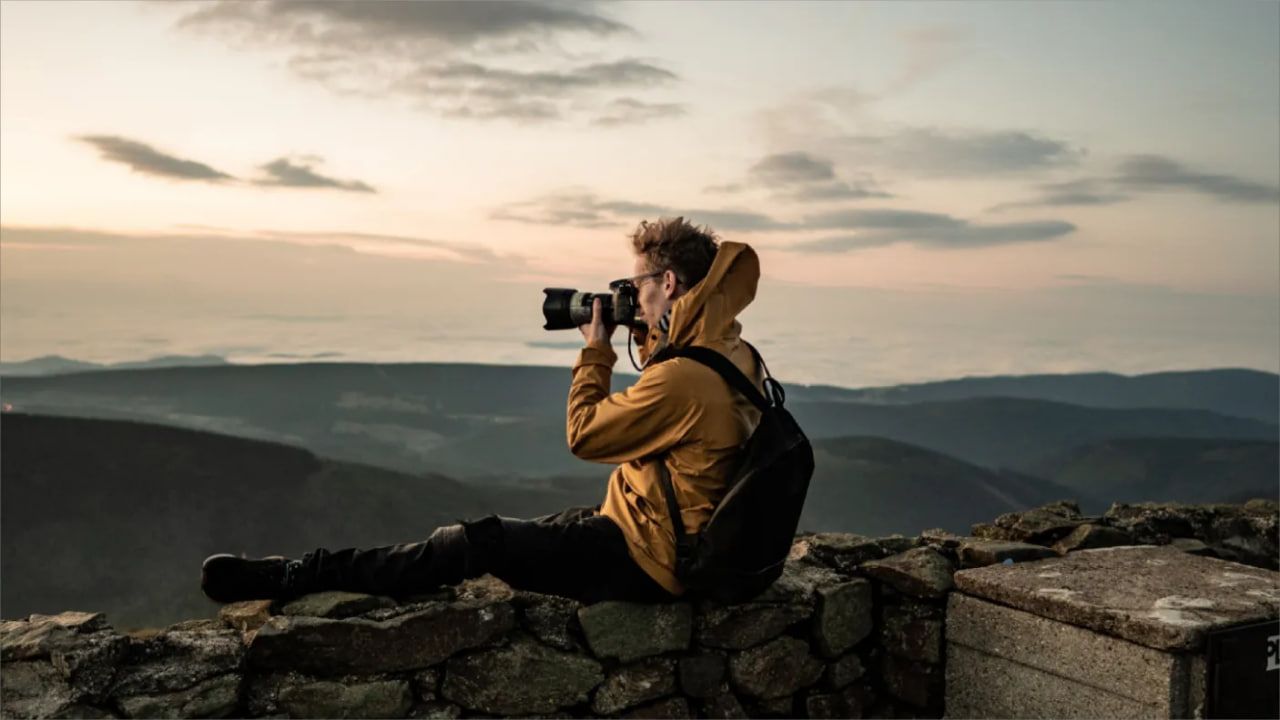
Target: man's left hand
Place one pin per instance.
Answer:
(597, 332)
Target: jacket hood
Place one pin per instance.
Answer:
(707, 314)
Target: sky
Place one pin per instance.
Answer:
(934, 189)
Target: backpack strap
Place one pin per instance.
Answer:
(736, 380)
(727, 370)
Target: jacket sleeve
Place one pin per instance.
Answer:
(648, 418)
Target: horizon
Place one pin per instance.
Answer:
(936, 190)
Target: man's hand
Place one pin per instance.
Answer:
(597, 332)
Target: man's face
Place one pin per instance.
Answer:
(656, 291)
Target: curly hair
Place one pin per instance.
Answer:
(676, 245)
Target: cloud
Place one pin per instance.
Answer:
(472, 60)
(928, 49)
(145, 159)
(802, 177)
(1074, 193)
(586, 210)
(927, 151)
(1137, 174)
(284, 173)
(882, 227)
(629, 111)
(1158, 173)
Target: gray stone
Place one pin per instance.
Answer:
(335, 604)
(724, 706)
(298, 696)
(844, 552)
(852, 702)
(81, 647)
(918, 684)
(1192, 546)
(1040, 526)
(778, 668)
(843, 617)
(357, 646)
(738, 627)
(551, 619)
(80, 711)
(632, 685)
(435, 711)
(842, 672)
(780, 707)
(1133, 681)
(921, 572)
(676, 707)
(172, 661)
(1168, 599)
(911, 634)
(246, 616)
(1248, 533)
(212, 698)
(702, 675)
(798, 584)
(1090, 536)
(33, 689)
(630, 631)
(426, 684)
(520, 679)
(977, 552)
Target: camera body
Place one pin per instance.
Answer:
(567, 308)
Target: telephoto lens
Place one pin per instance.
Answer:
(566, 308)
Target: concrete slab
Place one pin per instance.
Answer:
(1158, 597)
(985, 686)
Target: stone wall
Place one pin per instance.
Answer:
(855, 628)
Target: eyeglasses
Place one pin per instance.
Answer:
(639, 279)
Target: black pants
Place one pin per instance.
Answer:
(573, 553)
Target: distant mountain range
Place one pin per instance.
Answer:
(116, 516)
(485, 421)
(56, 364)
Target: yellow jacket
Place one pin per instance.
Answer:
(679, 412)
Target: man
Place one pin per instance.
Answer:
(681, 413)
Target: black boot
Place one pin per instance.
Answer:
(227, 578)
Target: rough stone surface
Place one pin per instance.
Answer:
(844, 552)
(553, 620)
(776, 669)
(843, 617)
(33, 689)
(520, 679)
(1167, 599)
(912, 634)
(214, 697)
(426, 684)
(799, 583)
(435, 711)
(297, 696)
(702, 675)
(1248, 533)
(843, 672)
(81, 647)
(319, 646)
(723, 707)
(1090, 536)
(738, 627)
(676, 707)
(630, 631)
(921, 572)
(919, 684)
(980, 553)
(852, 702)
(174, 660)
(1040, 526)
(632, 685)
(1192, 546)
(335, 604)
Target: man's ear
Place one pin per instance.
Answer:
(670, 284)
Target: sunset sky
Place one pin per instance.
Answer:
(934, 188)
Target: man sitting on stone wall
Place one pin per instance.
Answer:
(691, 289)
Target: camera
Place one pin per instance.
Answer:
(566, 308)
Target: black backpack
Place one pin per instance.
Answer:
(740, 552)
